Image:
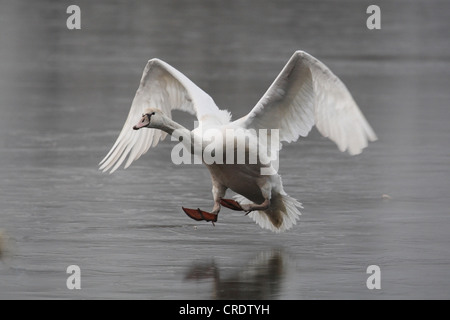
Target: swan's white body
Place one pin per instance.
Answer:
(305, 93)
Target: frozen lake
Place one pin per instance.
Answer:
(65, 94)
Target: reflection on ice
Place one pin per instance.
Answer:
(259, 278)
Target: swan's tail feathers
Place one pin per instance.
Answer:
(282, 214)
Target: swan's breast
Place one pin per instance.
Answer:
(244, 179)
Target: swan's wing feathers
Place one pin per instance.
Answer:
(287, 105)
(337, 116)
(161, 87)
(307, 93)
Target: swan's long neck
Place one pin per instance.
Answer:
(169, 126)
(185, 136)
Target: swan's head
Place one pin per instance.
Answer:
(152, 118)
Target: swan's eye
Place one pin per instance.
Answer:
(152, 113)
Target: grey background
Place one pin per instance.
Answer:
(65, 94)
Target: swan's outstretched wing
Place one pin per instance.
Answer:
(165, 88)
(307, 93)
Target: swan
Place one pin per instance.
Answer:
(304, 94)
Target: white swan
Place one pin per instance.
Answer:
(305, 93)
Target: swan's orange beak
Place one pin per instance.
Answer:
(144, 122)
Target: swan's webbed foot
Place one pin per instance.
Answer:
(233, 205)
(200, 215)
